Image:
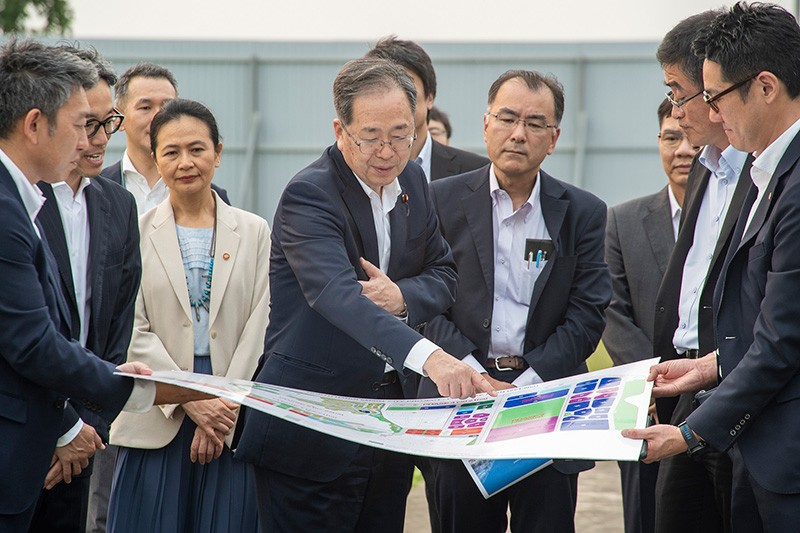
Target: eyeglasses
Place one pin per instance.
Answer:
(683, 101)
(532, 125)
(712, 100)
(110, 125)
(671, 139)
(372, 146)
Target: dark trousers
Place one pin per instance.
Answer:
(693, 493)
(638, 495)
(62, 509)
(369, 496)
(17, 523)
(542, 503)
(756, 509)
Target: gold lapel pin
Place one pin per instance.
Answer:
(226, 256)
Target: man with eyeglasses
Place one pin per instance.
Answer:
(357, 267)
(91, 226)
(753, 413)
(532, 287)
(694, 493)
(640, 235)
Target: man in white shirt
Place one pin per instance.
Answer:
(751, 75)
(694, 494)
(532, 288)
(140, 93)
(91, 226)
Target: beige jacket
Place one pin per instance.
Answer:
(162, 332)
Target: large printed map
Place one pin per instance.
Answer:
(572, 418)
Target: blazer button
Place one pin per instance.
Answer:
(738, 427)
(58, 404)
(741, 422)
(389, 360)
(214, 334)
(661, 309)
(733, 433)
(485, 322)
(373, 350)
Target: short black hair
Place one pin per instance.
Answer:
(177, 108)
(408, 55)
(751, 38)
(535, 81)
(676, 46)
(142, 70)
(664, 111)
(440, 116)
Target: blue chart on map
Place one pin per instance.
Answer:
(579, 417)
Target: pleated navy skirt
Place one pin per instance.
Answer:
(161, 490)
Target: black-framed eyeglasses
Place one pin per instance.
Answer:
(372, 146)
(712, 100)
(532, 125)
(683, 101)
(110, 125)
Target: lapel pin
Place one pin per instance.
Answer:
(769, 197)
(226, 256)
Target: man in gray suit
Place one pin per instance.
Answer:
(640, 235)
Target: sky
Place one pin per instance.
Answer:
(364, 20)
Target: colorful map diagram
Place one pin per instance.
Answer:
(579, 417)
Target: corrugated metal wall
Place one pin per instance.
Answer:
(274, 105)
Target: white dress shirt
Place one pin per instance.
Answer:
(75, 220)
(514, 276)
(675, 210)
(146, 198)
(765, 164)
(725, 168)
(381, 207)
(424, 157)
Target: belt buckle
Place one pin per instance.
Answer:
(498, 366)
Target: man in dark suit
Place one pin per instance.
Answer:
(43, 110)
(751, 76)
(140, 94)
(437, 160)
(531, 292)
(91, 227)
(640, 235)
(357, 264)
(694, 493)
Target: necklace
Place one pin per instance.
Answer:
(205, 298)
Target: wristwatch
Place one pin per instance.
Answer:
(695, 444)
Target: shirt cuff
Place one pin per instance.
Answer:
(529, 377)
(142, 396)
(70, 435)
(418, 356)
(471, 361)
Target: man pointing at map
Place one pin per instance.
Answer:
(357, 261)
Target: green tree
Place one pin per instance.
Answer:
(15, 13)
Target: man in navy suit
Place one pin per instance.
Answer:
(751, 76)
(91, 226)
(43, 112)
(436, 159)
(141, 92)
(532, 289)
(357, 265)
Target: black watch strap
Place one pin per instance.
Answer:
(695, 445)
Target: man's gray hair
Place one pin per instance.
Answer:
(361, 76)
(36, 76)
(104, 69)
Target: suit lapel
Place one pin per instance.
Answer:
(63, 310)
(477, 205)
(743, 185)
(49, 219)
(227, 245)
(659, 233)
(398, 222)
(100, 223)
(554, 209)
(165, 243)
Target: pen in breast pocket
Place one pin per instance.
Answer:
(538, 258)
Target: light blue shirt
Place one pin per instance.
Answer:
(725, 168)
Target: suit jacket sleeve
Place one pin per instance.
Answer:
(623, 338)
(313, 240)
(576, 337)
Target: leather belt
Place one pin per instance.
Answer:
(692, 354)
(506, 363)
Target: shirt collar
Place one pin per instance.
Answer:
(728, 161)
(425, 152)
(32, 197)
(494, 189)
(766, 162)
(389, 195)
(64, 191)
(674, 206)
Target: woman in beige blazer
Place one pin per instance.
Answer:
(202, 307)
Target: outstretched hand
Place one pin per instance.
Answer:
(455, 378)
